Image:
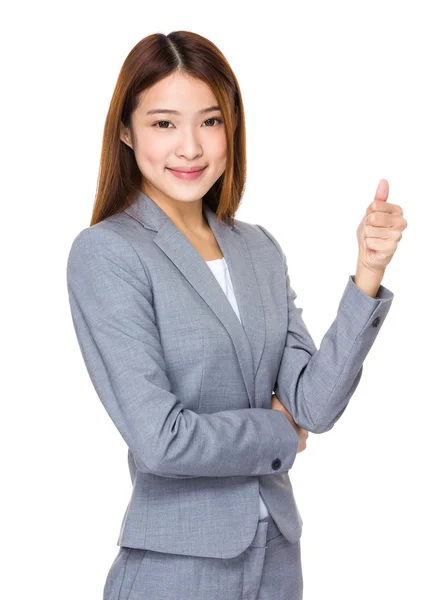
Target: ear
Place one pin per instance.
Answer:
(125, 135)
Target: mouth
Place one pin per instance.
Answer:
(187, 175)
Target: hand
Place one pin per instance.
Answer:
(380, 231)
(301, 433)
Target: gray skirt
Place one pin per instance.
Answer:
(269, 568)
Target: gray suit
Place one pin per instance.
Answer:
(189, 386)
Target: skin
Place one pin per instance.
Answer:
(188, 139)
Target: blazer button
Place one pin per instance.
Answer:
(376, 322)
(276, 464)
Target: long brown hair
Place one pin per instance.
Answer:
(153, 58)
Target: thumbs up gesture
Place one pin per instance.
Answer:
(380, 231)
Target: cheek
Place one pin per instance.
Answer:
(151, 161)
(151, 150)
(220, 149)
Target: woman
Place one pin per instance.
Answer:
(187, 323)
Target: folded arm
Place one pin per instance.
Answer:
(111, 304)
(315, 385)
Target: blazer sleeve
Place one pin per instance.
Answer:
(111, 305)
(315, 385)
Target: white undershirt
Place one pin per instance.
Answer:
(220, 270)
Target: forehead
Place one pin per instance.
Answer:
(178, 92)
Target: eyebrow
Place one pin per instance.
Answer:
(176, 112)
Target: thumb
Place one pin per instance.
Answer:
(382, 191)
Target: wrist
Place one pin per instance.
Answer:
(368, 280)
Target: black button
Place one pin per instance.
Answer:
(376, 322)
(276, 464)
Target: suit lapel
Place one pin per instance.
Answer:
(248, 336)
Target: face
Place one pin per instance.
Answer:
(164, 141)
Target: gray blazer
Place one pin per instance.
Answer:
(189, 386)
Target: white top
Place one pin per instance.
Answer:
(220, 270)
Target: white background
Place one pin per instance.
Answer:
(337, 95)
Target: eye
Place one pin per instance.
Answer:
(158, 122)
(214, 119)
(211, 119)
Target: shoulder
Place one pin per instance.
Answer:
(256, 233)
(109, 232)
(105, 246)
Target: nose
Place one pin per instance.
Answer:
(189, 145)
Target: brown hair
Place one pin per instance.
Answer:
(153, 58)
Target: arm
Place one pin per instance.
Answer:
(111, 305)
(315, 385)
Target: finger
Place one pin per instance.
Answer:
(380, 232)
(381, 245)
(382, 191)
(386, 207)
(382, 219)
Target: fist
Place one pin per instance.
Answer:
(380, 231)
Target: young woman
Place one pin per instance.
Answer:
(187, 323)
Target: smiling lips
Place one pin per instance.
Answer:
(187, 169)
(187, 175)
